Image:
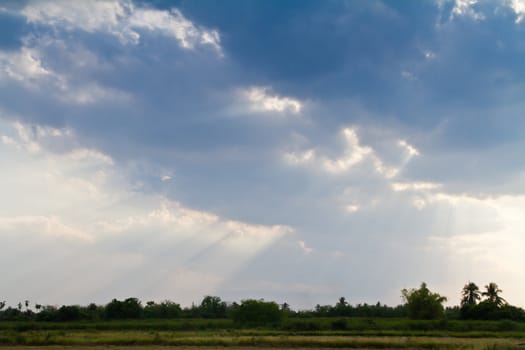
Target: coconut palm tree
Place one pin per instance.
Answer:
(492, 291)
(470, 294)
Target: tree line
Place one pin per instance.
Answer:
(419, 303)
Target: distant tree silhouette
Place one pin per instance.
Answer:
(212, 307)
(470, 294)
(422, 303)
(129, 308)
(258, 313)
(492, 294)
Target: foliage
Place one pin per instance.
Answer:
(129, 308)
(212, 307)
(470, 294)
(419, 304)
(166, 309)
(492, 293)
(254, 313)
(494, 307)
(422, 304)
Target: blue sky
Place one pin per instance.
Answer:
(295, 151)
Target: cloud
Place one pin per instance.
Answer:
(80, 194)
(518, 6)
(122, 19)
(26, 67)
(41, 225)
(260, 99)
(304, 247)
(354, 154)
(297, 158)
(414, 186)
(466, 8)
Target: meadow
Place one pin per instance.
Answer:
(318, 333)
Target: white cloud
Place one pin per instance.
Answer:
(429, 55)
(414, 186)
(41, 225)
(81, 196)
(260, 99)
(173, 24)
(165, 178)
(86, 154)
(408, 75)
(296, 158)
(352, 208)
(410, 150)
(485, 233)
(26, 67)
(466, 8)
(353, 155)
(304, 247)
(122, 19)
(518, 6)
(85, 15)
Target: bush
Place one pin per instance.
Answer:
(129, 308)
(258, 313)
(422, 304)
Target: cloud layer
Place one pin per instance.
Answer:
(349, 149)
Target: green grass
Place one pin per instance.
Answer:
(144, 338)
(294, 333)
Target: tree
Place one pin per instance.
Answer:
(166, 309)
(492, 291)
(342, 308)
(258, 313)
(212, 307)
(129, 308)
(470, 294)
(422, 303)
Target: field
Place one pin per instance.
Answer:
(213, 334)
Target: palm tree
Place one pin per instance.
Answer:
(491, 293)
(470, 294)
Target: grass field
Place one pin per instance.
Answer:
(214, 334)
(170, 338)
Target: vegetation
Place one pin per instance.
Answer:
(483, 320)
(494, 307)
(470, 294)
(420, 304)
(254, 313)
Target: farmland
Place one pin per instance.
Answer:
(210, 334)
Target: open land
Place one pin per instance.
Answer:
(200, 334)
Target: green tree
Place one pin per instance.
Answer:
(129, 308)
(212, 307)
(492, 294)
(470, 294)
(422, 303)
(253, 313)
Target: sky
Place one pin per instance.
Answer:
(296, 151)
